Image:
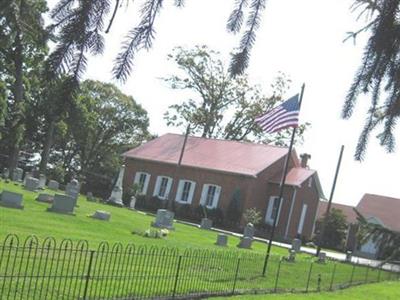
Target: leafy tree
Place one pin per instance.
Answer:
(252, 215)
(334, 231)
(23, 39)
(102, 123)
(378, 74)
(225, 106)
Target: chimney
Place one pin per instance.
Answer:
(304, 160)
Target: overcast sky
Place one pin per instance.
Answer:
(302, 38)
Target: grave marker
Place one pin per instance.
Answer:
(116, 194)
(53, 185)
(164, 219)
(31, 184)
(101, 215)
(63, 204)
(206, 223)
(11, 199)
(222, 240)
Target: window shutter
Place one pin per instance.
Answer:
(146, 184)
(216, 196)
(192, 188)
(168, 190)
(178, 195)
(157, 186)
(137, 178)
(204, 194)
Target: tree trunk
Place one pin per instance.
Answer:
(46, 147)
(18, 104)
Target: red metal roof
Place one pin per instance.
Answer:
(348, 211)
(386, 209)
(221, 155)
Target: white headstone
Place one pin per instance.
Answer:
(164, 219)
(249, 231)
(72, 189)
(53, 185)
(11, 199)
(296, 245)
(206, 223)
(63, 204)
(27, 175)
(116, 194)
(101, 215)
(222, 240)
(133, 202)
(31, 184)
(42, 181)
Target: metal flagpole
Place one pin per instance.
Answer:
(328, 208)
(281, 188)
(170, 206)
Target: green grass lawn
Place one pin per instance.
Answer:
(138, 266)
(375, 291)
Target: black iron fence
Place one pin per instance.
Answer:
(67, 270)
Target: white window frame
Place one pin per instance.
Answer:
(146, 182)
(204, 194)
(302, 219)
(310, 182)
(268, 214)
(157, 187)
(179, 191)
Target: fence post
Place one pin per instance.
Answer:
(352, 274)
(333, 276)
(177, 276)
(277, 275)
(88, 274)
(309, 276)
(319, 283)
(366, 274)
(236, 276)
(379, 274)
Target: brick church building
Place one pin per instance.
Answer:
(212, 170)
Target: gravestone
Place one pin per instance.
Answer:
(292, 256)
(46, 198)
(164, 219)
(133, 202)
(31, 184)
(11, 199)
(27, 175)
(6, 173)
(296, 245)
(249, 230)
(222, 240)
(63, 204)
(321, 258)
(42, 181)
(101, 215)
(116, 193)
(53, 185)
(72, 189)
(90, 197)
(17, 175)
(349, 254)
(245, 243)
(206, 223)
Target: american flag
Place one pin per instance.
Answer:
(283, 116)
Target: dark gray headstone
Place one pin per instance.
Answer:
(245, 243)
(31, 184)
(17, 175)
(322, 257)
(90, 197)
(296, 245)
(46, 198)
(222, 240)
(101, 215)
(11, 199)
(63, 204)
(206, 223)
(53, 185)
(164, 219)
